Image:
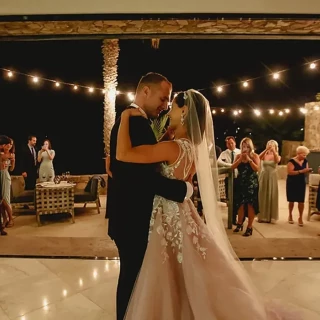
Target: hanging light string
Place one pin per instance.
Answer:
(218, 88)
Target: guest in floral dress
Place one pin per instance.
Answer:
(246, 198)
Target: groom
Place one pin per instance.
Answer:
(135, 185)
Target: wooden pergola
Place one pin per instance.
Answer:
(110, 28)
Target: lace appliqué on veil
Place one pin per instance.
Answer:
(169, 227)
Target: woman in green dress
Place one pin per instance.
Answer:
(268, 183)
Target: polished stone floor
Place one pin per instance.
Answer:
(39, 289)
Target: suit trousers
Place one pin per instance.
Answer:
(131, 253)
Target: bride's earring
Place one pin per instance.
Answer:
(182, 119)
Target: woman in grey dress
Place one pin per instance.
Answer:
(45, 157)
(8, 156)
(268, 183)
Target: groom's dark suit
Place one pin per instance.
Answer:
(134, 187)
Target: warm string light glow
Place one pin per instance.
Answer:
(10, 74)
(259, 112)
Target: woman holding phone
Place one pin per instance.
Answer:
(45, 157)
(246, 197)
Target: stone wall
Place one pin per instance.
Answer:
(248, 26)
(312, 126)
(288, 150)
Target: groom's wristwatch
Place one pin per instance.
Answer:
(189, 190)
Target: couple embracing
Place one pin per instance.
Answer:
(173, 266)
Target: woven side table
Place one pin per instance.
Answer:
(52, 199)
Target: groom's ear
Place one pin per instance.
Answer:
(146, 90)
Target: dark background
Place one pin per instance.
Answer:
(73, 121)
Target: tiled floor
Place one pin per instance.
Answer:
(39, 289)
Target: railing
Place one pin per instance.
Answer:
(230, 175)
(223, 173)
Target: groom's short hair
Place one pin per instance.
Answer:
(152, 78)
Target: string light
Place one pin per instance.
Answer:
(286, 110)
(271, 111)
(240, 111)
(130, 96)
(245, 84)
(313, 65)
(303, 110)
(214, 112)
(235, 112)
(281, 113)
(222, 110)
(276, 76)
(257, 112)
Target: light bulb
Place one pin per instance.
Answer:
(57, 84)
(240, 111)
(220, 89)
(257, 112)
(271, 111)
(91, 89)
(276, 76)
(35, 79)
(245, 84)
(287, 110)
(213, 111)
(303, 110)
(10, 74)
(130, 96)
(235, 112)
(75, 87)
(312, 65)
(281, 113)
(222, 110)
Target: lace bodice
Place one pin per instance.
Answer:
(166, 215)
(180, 169)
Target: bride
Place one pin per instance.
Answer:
(190, 271)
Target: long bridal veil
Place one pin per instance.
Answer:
(200, 130)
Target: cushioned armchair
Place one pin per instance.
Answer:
(90, 194)
(20, 196)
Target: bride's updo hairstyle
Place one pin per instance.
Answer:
(196, 104)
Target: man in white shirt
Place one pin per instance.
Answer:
(227, 156)
(226, 159)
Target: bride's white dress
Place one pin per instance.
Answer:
(185, 274)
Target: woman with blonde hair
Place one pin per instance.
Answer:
(297, 168)
(246, 198)
(268, 183)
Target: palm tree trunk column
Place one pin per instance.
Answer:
(110, 51)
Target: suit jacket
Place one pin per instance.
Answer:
(27, 163)
(135, 185)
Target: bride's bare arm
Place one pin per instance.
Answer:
(163, 151)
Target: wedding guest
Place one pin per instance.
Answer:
(297, 169)
(45, 157)
(246, 198)
(28, 163)
(8, 156)
(3, 141)
(268, 183)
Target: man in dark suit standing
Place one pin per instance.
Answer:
(28, 163)
(135, 185)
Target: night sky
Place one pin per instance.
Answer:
(74, 121)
